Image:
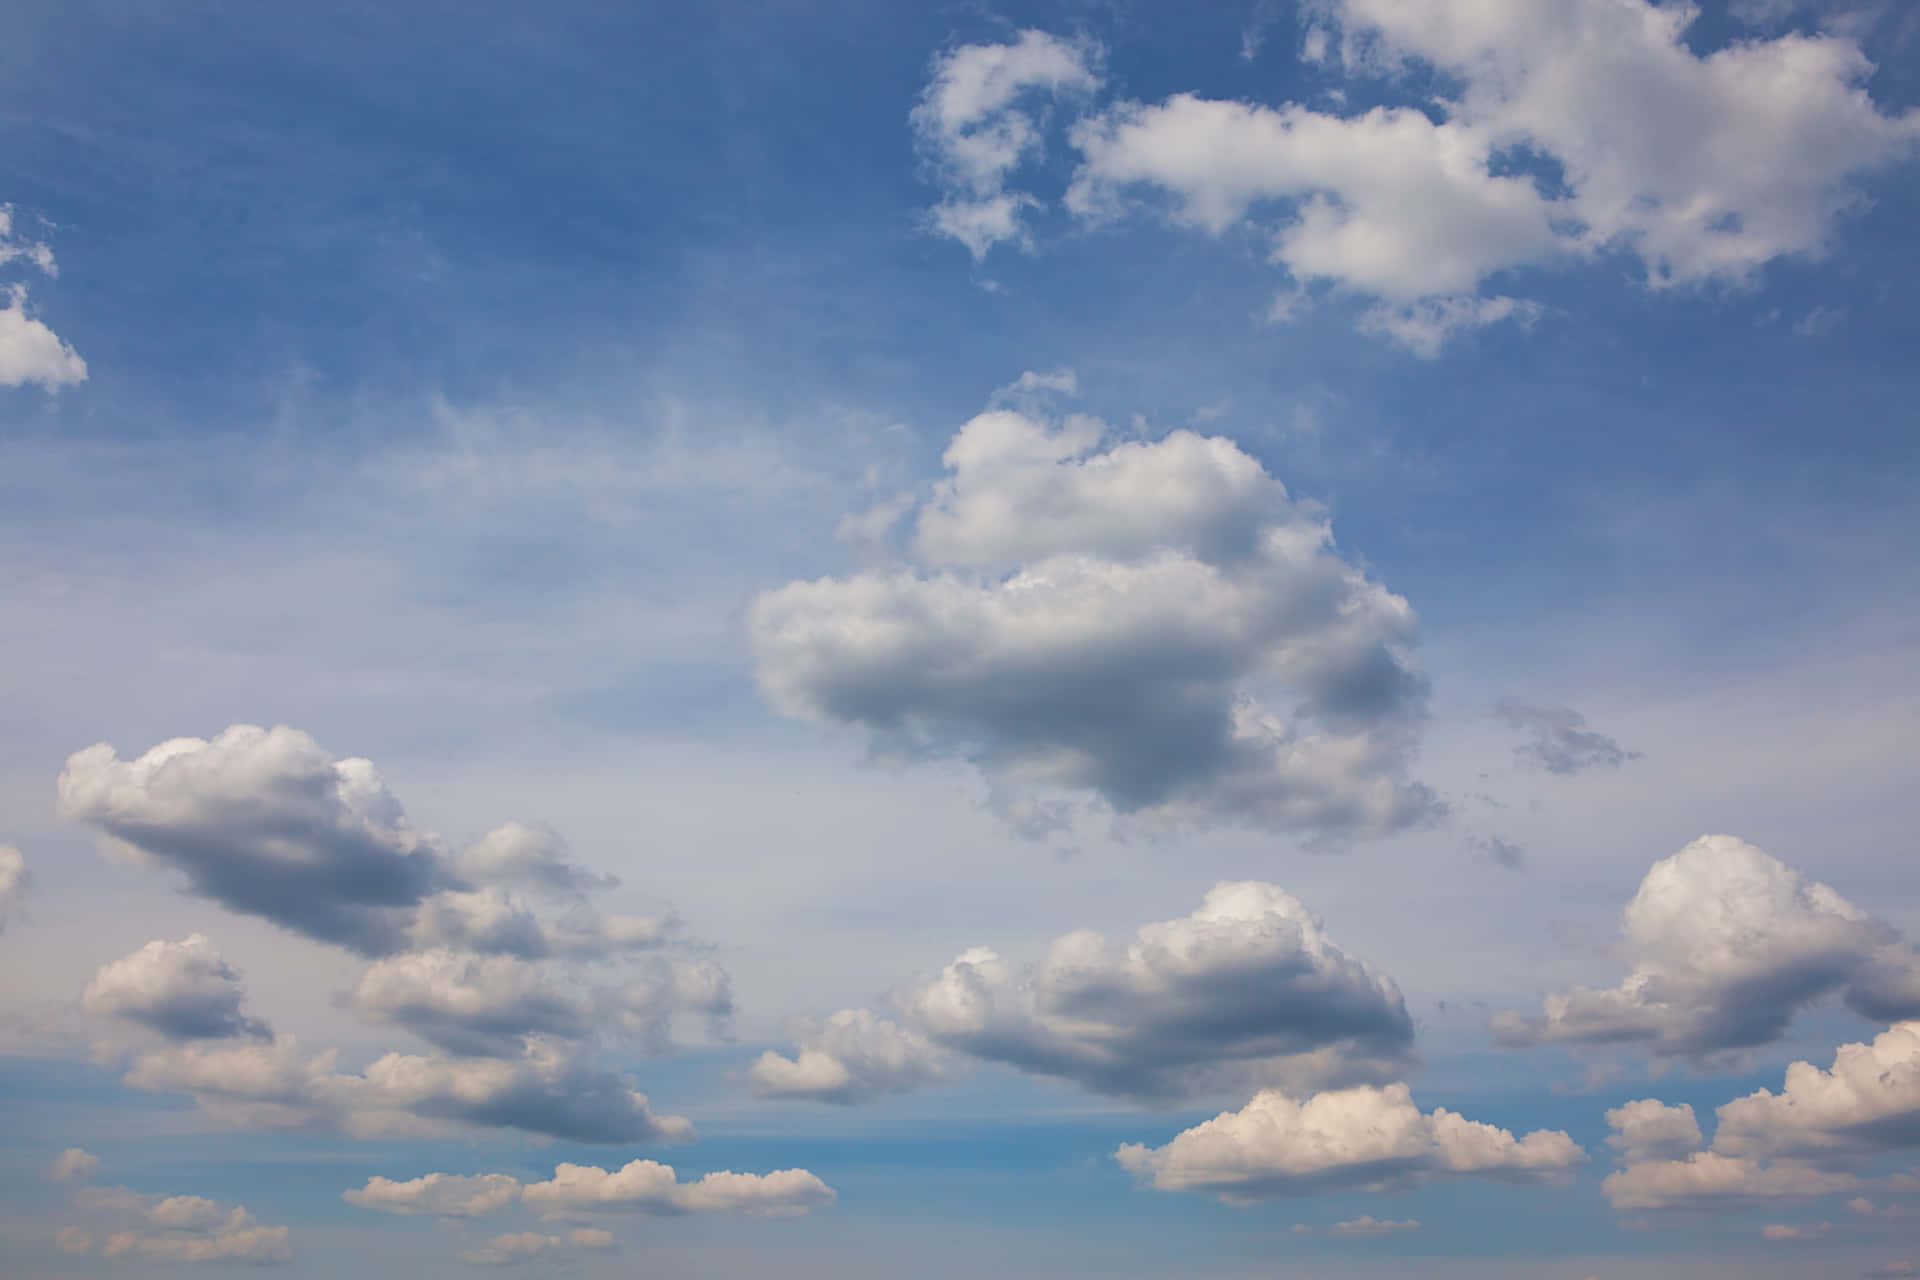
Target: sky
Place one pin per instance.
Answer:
(1089, 638)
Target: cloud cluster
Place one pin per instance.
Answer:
(1559, 741)
(1726, 944)
(128, 1225)
(1366, 1137)
(576, 1190)
(1563, 133)
(519, 1246)
(1810, 1139)
(1156, 624)
(1248, 990)
(29, 351)
(181, 990)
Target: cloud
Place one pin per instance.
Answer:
(179, 1228)
(72, 1165)
(182, 990)
(546, 1090)
(1708, 167)
(1113, 619)
(640, 1186)
(266, 823)
(978, 121)
(440, 1195)
(1809, 1139)
(1559, 740)
(517, 855)
(1366, 1137)
(478, 1005)
(1726, 944)
(644, 1186)
(1372, 1226)
(15, 881)
(29, 351)
(519, 1246)
(1246, 990)
(851, 1057)
(1803, 1231)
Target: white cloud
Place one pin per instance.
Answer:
(546, 1090)
(180, 1228)
(519, 1246)
(517, 855)
(440, 1195)
(1708, 1179)
(1368, 1225)
(1726, 945)
(73, 1165)
(1373, 1138)
(1113, 621)
(1869, 1101)
(480, 1005)
(30, 351)
(1425, 326)
(645, 1186)
(849, 1058)
(182, 990)
(1648, 1129)
(1248, 990)
(979, 120)
(15, 880)
(266, 823)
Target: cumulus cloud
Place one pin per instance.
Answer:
(1368, 1225)
(1559, 741)
(15, 880)
(981, 117)
(1117, 620)
(521, 856)
(266, 823)
(1246, 990)
(546, 1090)
(181, 1228)
(1366, 1137)
(644, 1186)
(851, 1057)
(1726, 944)
(29, 350)
(439, 1195)
(1810, 1139)
(478, 1005)
(182, 990)
(73, 1165)
(640, 1186)
(519, 1246)
(1706, 168)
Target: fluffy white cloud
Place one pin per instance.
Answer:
(1707, 1179)
(518, 1246)
(440, 1195)
(480, 1005)
(1374, 1138)
(1648, 1129)
(517, 855)
(1726, 945)
(30, 351)
(182, 990)
(1869, 1101)
(1571, 131)
(1247, 990)
(15, 880)
(266, 823)
(645, 1186)
(545, 1090)
(978, 121)
(73, 1165)
(1115, 620)
(181, 1228)
(849, 1058)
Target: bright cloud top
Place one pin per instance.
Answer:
(181, 990)
(640, 1186)
(1576, 130)
(1081, 616)
(1366, 1137)
(851, 1057)
(29, 350)
(15, 880)
(1726, 945)
(129, 1226)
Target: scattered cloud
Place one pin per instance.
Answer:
(640, 1186)
(1559, 740)
(30, 352)
(1365, 1137)
(73, 1165)
(1726, 944)
(439, 1195)
(128, 1225)
(15, 881)
(519, 1246)
(1112, 619)
(1369, 1225)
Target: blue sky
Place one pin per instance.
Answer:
(1111, 585)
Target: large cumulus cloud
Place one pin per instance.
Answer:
(1155, 624)
(1725, 945)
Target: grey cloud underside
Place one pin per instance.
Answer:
(181, 990)
(1117, 621)
(1727, 945)
(1559, 740)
